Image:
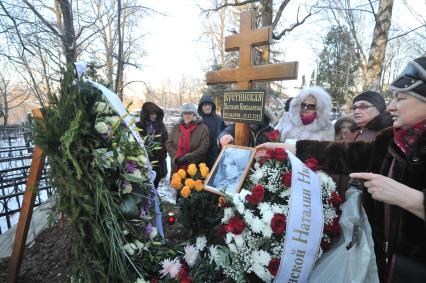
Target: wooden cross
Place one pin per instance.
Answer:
(37, 165)
(247, 72)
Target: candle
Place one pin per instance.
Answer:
(171, 219)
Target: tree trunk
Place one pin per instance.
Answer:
(68, 33)
(119, 77)
(378, 45)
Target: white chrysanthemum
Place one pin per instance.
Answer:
(229, 238)
(267, 231)
(262, 272)
(326, 181)
(191, 254)
(256, 225)
(232, 248)
(239, 240)
(285, 194)
(171, 267)
(201, 243)
(261, 257)
(227, 214)
(213, 253)
(258, 174)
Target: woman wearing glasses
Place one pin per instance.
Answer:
(369, 114)
(308, 117)
(395, 182)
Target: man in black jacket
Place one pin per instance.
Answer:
(215, 124)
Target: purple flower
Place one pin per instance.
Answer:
(131, 166)
(148, 228)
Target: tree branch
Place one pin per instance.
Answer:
(31, 7)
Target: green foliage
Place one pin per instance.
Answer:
(337, 65)
(101, 200)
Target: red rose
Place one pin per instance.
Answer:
(280, 154)
(153, 280)
(258, 193)
(185, 280)
(251, 199)
(274, 135)
(312, 164)
(273, 266)
(333, 229)
(286, 179)
(236, 225)
(278, 223)
(183, 272)
(336, 200)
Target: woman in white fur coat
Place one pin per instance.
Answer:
(308, 117)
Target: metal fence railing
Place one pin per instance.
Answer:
(15, 162)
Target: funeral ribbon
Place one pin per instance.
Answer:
(304, 225)
(115, 102)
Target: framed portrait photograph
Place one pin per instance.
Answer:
(230, 169)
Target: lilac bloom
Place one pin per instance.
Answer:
(131, 166)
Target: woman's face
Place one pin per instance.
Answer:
(153, 116)
(346, 133)
(231, 168)
(309, 105)
(364, 112)
(188, 117)
(406, 110)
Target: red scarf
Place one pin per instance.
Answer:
(406, 139)
(307, 118)
(184, 143)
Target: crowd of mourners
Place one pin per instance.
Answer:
(382, 144)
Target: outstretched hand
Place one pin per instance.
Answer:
(226, 139)
(389, 191)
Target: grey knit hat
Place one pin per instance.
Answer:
(188, 108)
(374, 98)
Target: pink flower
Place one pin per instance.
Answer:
(171, 267)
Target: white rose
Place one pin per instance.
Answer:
(139, 244)
(101, 127)
(127, 188)
(129, 249)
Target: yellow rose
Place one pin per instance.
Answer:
(202, 165)
(182, 173)
(204, 172)
(176, 183)
(192, 170)
(185, 192)
(189, 183)
(198, 185)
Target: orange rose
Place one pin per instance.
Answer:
(198, 185)
(189, 183)
(185, 192)
(176, 183)
(192, 170)
(204, 172)
(182, 173)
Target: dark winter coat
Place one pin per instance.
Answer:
(160, 129)
(368, 134)
(374, 127)
(198, 146)
(377, 157)
(215, 125)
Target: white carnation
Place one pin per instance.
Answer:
(201, 243)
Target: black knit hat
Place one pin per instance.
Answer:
(412, 80)
(374, 98)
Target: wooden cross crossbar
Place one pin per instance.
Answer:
(247, 72)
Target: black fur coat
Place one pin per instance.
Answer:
(377, 157)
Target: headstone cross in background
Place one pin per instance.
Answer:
(247, 72)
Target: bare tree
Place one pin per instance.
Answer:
(11, 97)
